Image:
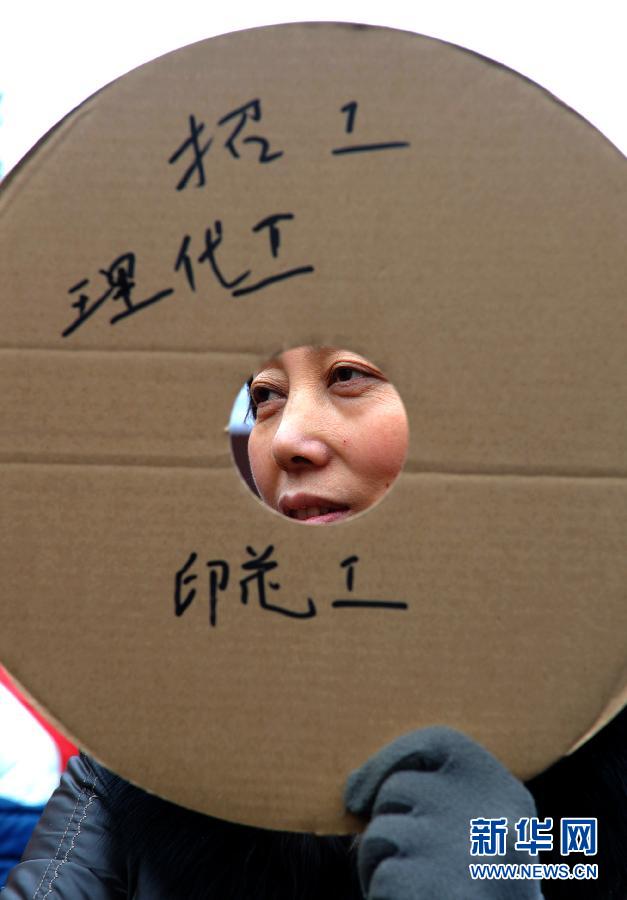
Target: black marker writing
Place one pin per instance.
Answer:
(213, 239)
(216, 583)
(270, 222)
(120, 284)
(256, 582)
(212, 243)
(259, 566)
(195, 150)
(242, 114)
(350, 110)
(180, 581)
(349, 564)
(198, 152)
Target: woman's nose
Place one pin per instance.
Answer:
(301, 440)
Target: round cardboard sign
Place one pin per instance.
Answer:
(333, 185)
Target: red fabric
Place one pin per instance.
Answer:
(66, 748)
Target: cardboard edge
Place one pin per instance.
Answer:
(615, 705)
(40, 708)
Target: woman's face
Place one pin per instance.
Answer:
(330, 434)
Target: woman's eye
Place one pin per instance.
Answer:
(344, 374)
(260, 395)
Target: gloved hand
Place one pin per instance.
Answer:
(420, 792)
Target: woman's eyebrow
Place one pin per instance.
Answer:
(271, 364)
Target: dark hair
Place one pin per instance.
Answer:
(251, 411)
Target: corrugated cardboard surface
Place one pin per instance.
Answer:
(482, 267)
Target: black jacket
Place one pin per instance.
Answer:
(100, 838)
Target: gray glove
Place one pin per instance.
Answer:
(421, 791)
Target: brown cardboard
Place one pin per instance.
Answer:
(482, 267)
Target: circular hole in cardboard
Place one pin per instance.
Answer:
(319, 434)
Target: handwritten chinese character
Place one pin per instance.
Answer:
(213, 239)
(350, 110)
(259, 566)
(195, 150)
(270, 222)
(208, 255)
(349, 565)
(120, 284)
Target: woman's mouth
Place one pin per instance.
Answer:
(313, 510)
(315, 515)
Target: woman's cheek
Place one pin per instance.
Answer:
(383, 447)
